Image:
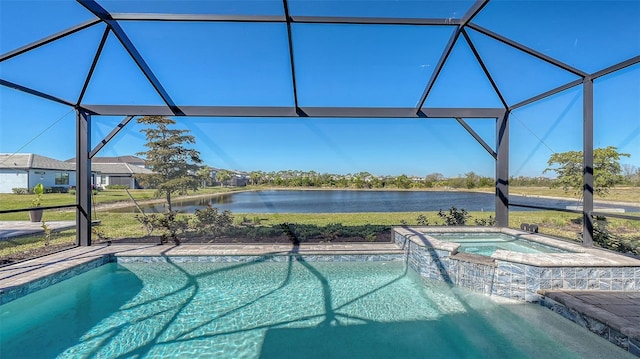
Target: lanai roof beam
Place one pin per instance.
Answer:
(528, 50)
(104, 15)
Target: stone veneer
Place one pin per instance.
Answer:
(514, 275)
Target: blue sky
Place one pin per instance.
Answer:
(238, 64)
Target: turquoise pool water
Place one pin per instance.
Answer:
(487, 243)
(279, 310)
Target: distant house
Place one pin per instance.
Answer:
(117, 174)
(25, 170)
(238, 178)
(119, 170)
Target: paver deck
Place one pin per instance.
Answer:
(12, 229)
(620, 310)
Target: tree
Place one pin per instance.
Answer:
(256, 177)
(204, 176)
(403, 181)
(222, 176)
(607, 171)
(168, 157)
(631, 175)
(431, 180)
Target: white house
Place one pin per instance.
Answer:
(25, 170)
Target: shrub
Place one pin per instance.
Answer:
(167, 222)
(605, 239)
(486, 222)
(454, 217)
(370, 236)
(331, 231)
(287, 229)
(47, 233)
(423, 220)
(210, 221)
(20, 190)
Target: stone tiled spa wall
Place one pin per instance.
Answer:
(438, 264)
(522, 281)
(513, 280)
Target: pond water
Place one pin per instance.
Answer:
(351, 201)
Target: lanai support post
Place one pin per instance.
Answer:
(502, 170)
(83, 179)
(587, 172)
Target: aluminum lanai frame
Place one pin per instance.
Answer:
(501, 115)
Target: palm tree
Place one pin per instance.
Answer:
(222, 176)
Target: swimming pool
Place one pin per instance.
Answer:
(293, 308)
(487, 243)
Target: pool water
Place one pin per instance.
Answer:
(487, 243)
(280, 310)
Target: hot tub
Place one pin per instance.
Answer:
(486, 243)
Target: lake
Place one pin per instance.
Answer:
(350, 201)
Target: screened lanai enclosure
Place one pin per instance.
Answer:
(388, 87)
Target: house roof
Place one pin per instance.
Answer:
(33, 161)
(118, 169)
(117, 159)
(24, 161)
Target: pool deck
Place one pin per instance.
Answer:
(14, 229)
(619, 310)
(606, 313)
